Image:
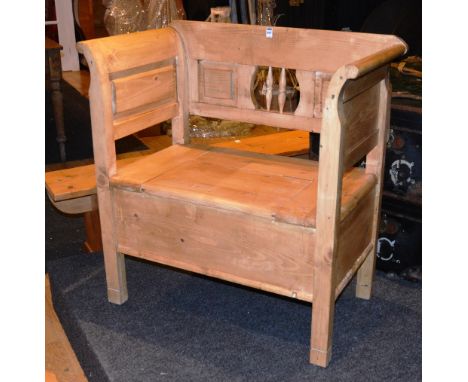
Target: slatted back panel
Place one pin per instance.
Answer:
(222, 62)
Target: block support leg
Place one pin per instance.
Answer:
(322, 333)
(323, 310)
(364, 278)
(115, 276)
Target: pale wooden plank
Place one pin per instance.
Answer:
(217, 83)
(79, 80)
(71, 182)
(102, 59)
(238, 188)
(351, 271)
(355, 236)
(150, 87)
(180, 122)
(263, 117)
(277, 188)
(208, 241)
(133, 50)
(80, 181)
(77, 205)
(356, 153)
(143, 118)
(372, 61)
(156, 143)
(359, 117)
(290, 48)
(327, 220)
(150, 166)
(354, 87)
(193, 75)
(375, 164)
(60, 359)
(318, 96)
(288, 143)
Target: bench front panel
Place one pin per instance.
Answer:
(232, 246)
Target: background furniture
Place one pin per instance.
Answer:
(54, 75)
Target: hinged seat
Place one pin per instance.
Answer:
(278, 188)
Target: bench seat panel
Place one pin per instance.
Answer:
(275, 188)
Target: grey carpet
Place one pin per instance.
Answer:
(177, 326)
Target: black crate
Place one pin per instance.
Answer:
(403, 161)
(399, 242)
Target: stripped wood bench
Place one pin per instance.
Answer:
(289, 226)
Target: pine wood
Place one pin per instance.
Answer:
(150, 87)
(180, 122)
(254, 184)
(126, 123)
(328, 207)
(306, 105)
(217, 83)
(269, 88)
(79, 80)
(79, 181)
(61, 363)
(73, 190)
(289, 226)
(93, 241)
(287, 143)
(216, 242)
(260, 117)
(375, 164)
(289, 48)
(282, 90)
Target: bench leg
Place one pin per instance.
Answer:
(114, 263)
(322, 332)
(323, 309)
(364, 278)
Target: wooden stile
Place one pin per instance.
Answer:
(293, 227)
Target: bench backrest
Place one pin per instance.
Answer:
(222, 60)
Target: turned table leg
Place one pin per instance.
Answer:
(55, 79)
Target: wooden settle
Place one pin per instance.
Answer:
(285, 225)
